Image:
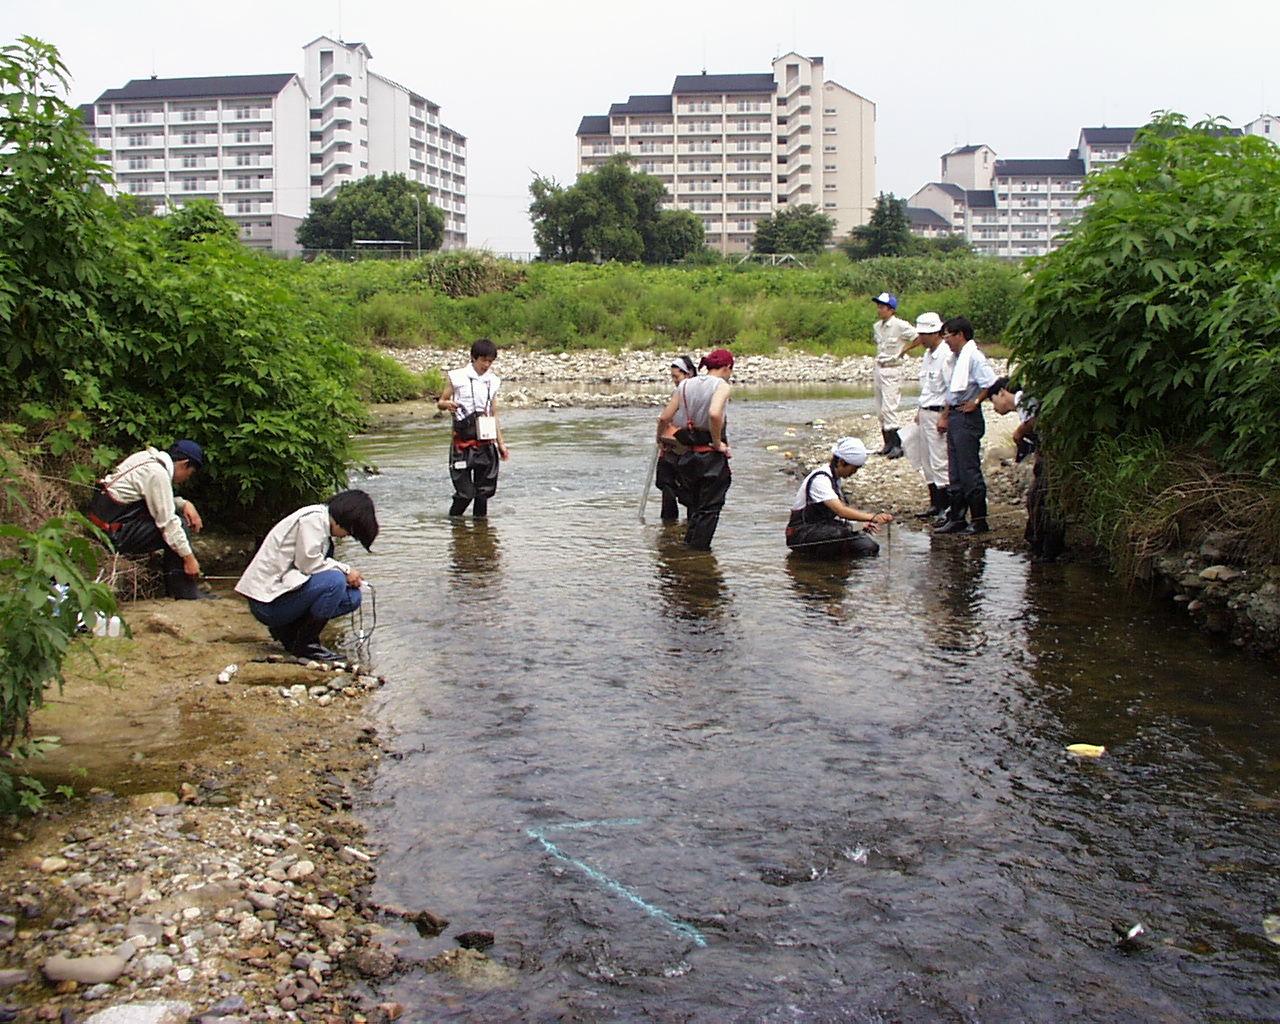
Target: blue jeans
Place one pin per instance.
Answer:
(325, 596)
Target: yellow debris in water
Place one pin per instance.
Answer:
(789, 455)
(1086, 750)
(771, 447)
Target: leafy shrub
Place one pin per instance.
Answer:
(382, 379)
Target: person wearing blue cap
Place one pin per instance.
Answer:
(136, 507)
(893, 337)
(820, 524)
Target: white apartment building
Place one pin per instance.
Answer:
(734, 148)
(264, 146)
(1012, 208)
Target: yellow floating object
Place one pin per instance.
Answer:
(788, 455)
(771, 447)
(1086, 750)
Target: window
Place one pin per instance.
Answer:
(138, 117)
(829, 149)
(137, 163)
(190, 184)
(137, 140)
(828, 167)
(244, 159)
(828, 129)
(829, 206)
(600, 147)
(243, 183)
(190, 161)
(243, 135)
(244, 113)
(829, 110)
(190, 115)
(244, 206)
(189, 138)
(141, 185)
(746, 225)
(649, 147)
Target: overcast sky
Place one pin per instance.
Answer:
(1022, 76)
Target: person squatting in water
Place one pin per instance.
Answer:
(821, 524)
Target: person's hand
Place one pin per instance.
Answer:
(720, 446)
(882, 517)
(448, 404)
(942, 425)
(191, 567)
(969, 407)
(354, 579)
(503, 452)
(871, 527)
(192, 517)
(917, 417)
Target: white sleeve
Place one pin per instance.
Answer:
(157, 488)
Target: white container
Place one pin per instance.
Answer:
(99, 624)
(113, 627)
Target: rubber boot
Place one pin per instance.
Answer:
(306, 641)
(978, 510)
(670, 509)
(459, 506)
(887, 446)
(481, 508)
(181, 587)
(895, 445)
(937, 503)
(955, 514)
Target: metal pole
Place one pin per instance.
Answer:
(418, 204)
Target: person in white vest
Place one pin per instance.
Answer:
(295, 585)
(471, 394)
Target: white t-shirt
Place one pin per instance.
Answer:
(935, 375)
(474, 392)
(823, 489)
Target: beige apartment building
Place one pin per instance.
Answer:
(732, 149)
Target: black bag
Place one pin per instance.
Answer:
(465, 428)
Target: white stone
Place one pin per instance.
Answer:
(166, 1011)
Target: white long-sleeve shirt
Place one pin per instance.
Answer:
(148, 475)
(295, 550)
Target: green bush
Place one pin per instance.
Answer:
(382, 379)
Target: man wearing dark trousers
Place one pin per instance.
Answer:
(697, 409)
(471, 395)
(972, 378)
(136, 507)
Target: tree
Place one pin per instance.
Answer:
(887, 233)
(373, 208)
(1160, 313)
(200, 220)
(610, 213)
(795, 229)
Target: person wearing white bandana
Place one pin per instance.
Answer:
(820, 524)
(971, 381)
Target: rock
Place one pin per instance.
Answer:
(9, 978)
(144, 929)
(51, 865)
(475, 939)
(166, 1011)
(226, 1005)
(302, 869)
(157, 623)
(8, 929)
(370, 962)
(146, 801)
(1219, 573)
(155, 965)
(249, 929)
(85, 970)
(391, 1011)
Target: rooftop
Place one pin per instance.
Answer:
(1035, 168)
(193, 88)
(724, 83)
(925, 218)
(643, 105)
(594, 124)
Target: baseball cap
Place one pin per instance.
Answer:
(188, 450)
(716, 359)
(887, 299)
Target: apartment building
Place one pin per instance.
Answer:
(264, 146)
(732, 149)
(1012, 208)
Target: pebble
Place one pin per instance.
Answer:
(85, 970)
(165, 1011)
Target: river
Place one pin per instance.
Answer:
(722, 786)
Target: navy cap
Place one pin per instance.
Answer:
(188, 450)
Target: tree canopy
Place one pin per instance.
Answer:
(610, 213)
(1161, 311)
(886, 233)
(794, 229)
(380, 208)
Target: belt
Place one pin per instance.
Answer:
(102, 524)
(933, 408)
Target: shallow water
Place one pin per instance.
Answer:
(684, 786)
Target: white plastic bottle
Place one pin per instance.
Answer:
(113, 627)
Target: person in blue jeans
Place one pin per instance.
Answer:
(295, 585)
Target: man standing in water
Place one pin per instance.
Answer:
(698, 411)
(893, 337)
(471, 395)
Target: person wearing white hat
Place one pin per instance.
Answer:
(666, 477)
(935, 377)
(893, 337)
(820, 518)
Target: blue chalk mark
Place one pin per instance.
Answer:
(605, 882)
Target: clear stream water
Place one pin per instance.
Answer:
(683, 786)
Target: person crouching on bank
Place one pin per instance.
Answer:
(820, 524)
(471, 395)
(294, 584)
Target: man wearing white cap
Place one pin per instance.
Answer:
(819, 525)
(893, 337)
(935, 377)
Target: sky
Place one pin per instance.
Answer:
(516, 77)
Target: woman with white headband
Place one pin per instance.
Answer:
(666, 477)
(820, 525)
